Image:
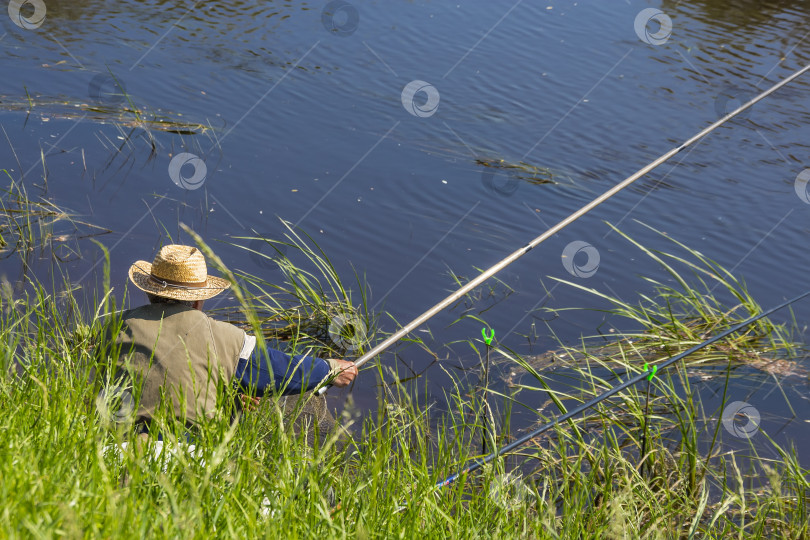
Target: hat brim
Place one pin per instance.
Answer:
(140, 274)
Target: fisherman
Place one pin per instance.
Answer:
(178, 356)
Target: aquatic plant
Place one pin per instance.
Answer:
(31, 225)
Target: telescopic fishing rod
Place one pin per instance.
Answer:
(472, 284)
(477, 464)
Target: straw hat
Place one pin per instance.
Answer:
(177, 272)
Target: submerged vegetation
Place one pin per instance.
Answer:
(533, 174)
(650, 463)
(37, 225)
(114, 107)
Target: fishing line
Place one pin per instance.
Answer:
(472, 284)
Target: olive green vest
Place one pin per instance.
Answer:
(180, 355)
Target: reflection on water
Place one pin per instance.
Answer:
(758, 28)
(743, 13)
(242, 36)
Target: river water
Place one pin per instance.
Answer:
(364, 123)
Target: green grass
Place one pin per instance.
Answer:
(652, 461)
(60, 474)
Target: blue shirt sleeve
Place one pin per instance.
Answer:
(261, 374)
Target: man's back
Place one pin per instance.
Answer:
(179, 354)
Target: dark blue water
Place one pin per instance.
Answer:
(308, 124)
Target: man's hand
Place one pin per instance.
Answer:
(346, 372)
(249, 403)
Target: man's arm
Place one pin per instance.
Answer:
(293, 375)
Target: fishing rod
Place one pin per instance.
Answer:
(411, 326)
(477, 464)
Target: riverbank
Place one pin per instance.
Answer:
(631, 470)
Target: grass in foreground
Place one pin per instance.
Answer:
(62, 476)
